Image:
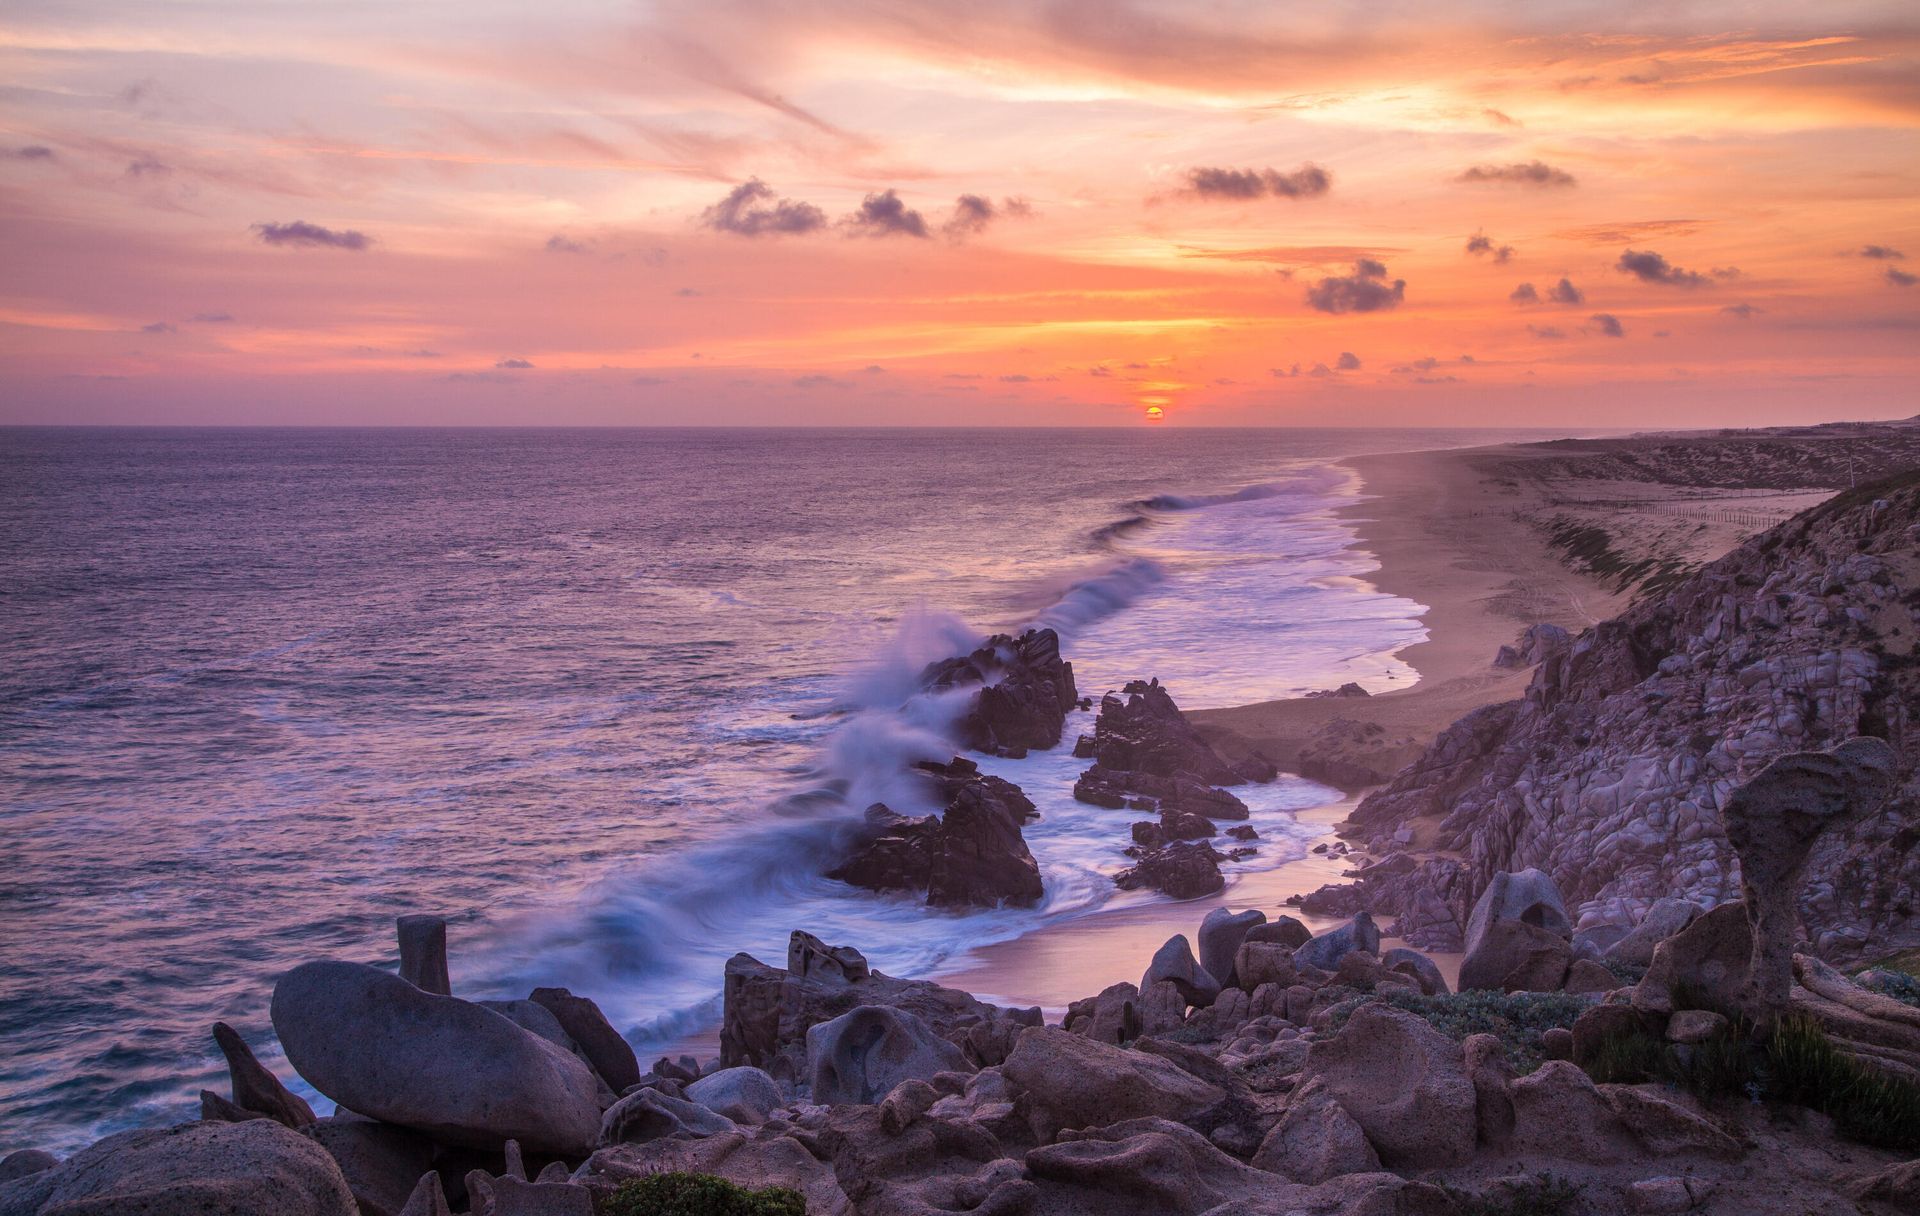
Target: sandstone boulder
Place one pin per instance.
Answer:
(1516, 956)
(1712, 956)
(1067, 1081)
(1327, 949)
(1529, 897)
(1316, 1139)
(1418, 967)
(1221, 934)
(1559, 1113)
(193, 1169)
(460, 1073)
(1258, 963)
(1404, 1083)
(860, 1055)
(1174, 963)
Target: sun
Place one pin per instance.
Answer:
(1155, 413)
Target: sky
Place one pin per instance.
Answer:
(997, 212)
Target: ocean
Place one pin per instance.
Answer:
(608, 700)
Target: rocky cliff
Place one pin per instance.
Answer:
(1612, 773)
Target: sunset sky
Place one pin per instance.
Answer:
(993, 212)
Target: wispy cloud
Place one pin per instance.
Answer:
(1531, 173)
(301, 234)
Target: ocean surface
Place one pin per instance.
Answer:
(607, 700)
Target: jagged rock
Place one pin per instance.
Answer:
(1163, 1007)
(1111, 1017)
(1284, 930)
(1712, 954)
(1773, 822)
(25, 1161)
(1143, 731)
(971, 855)
(603, 1046)
(1174, 963)
(510, 1196)
(193, 1169)
(744, 1094)
(428, 1198)
(1026, 691)
(1327, 949)
(1528, 897)
(1335, 899)
(380, 1162)
(460, 1073)
(649, 1114)
(1347, 690)
(1514, 956)
(860, 1055)
(1403, 1082)
(216, 1109)
(1185, 869)
(1418, 967)
(1538, 643)
(809, 958)
(1666, 918)
(1316, 1139)
(254, 1087)
(1064, 1080)
(423, 953)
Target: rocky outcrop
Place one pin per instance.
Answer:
(1025, 692)
(861, 1055)
(1070, 1081)
(971, 855)
(583, 1023)
(1185, 869)
(1141, 730)
(1403, 1082)
(255, 1089)
(1615, 773)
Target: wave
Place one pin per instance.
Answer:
(1090, 599)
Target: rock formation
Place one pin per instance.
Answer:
(972, 854)
(1026, 692)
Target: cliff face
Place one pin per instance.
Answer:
(1611, 774)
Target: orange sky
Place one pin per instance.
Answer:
(436, 212)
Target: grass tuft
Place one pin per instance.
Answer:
(677, 1194)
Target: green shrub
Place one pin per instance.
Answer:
(675, 1194)
(1541, 1195)
(1803, 1066)
(1517, 1019)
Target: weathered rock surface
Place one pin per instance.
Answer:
(459, 1072)
(423, 953)
(1026, 691)
(21, 1162)
(194, 1169)
(862, 1054)
(1666, 918)
(1141, 730)
(746, 1159)
(1327, 949)
(1615, 772)
(1316, 1139)
(1712, 955)
(1185, 869)
(380, 1162)
(1067, 1081)
(972, 854)
(1221, 933)
(650, 1114)
(745, 1094)
(1174, 963)
(606, 1050)
(1528, 897)
(1404, 1083)
(254, 1087)
(1514, 956)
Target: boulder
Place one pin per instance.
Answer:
(1711, 955)
(1666, 918)
(460, 1073)
(649, 1114)
(1772, 822)
(1151, 1172)
(1515, 956)
(1485, 1060)
(1658, 1118)
(1174, 963)
(1258, 963)
(1588, 978)
(193, 1169)
(860, 1055)
(1327, 949)
(1221, 933)
(1559, 1113)
(971, 855)
(745, 1094)
(1065, 1080)
(1418, 967)
(1282, 930)
(1694, 1026)
(1315, 1139)
(750, 1161)
(1599, 1024)
(21, 1162)
(423, 953)
(1528, 897)
(1403, 1082)
(381, 1163)
(254, 1087)
(1114, 1016)
(1185, 869)
(1143, 731)
(606, 1050)
(1025, 691)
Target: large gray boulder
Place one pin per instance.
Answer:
(1515, 956)
(1327, 949)
(1528, 897)
(744, 1094)
(1316, 1139)
(603, 1046)
(21, 1162)
(1069, 1081)
(862, 1054)
(1174, 963)
(459, 1072)
(1220, 936)
(1417, 967)
(381, 1163)
(1666, 918)
(255, 1168)
(1403, 1082)
(1711, 956)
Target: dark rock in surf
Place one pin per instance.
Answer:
(1143, 731)
(970, 855)
(1185, 869)
(1026, 691)
(1117, 790)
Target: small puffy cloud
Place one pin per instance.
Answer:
(211, 318)
(1650, 267)
(1282, 373)
(1900, 278)
(564, 244)
(1725, 272)
(752, 209)
(884, 214)
(1426, 364)
(299, 234)
(1609, 324)
(1365, 290)
(1481, 245)
(514, 365)
(1564, 292)
(1532, 173)
(1547, 332)
(971, 215)
(1320, 369)
(1526, 293)
(1881, 253)
(30, 152)
(1308, 181)
(158, 327)
(1745, 312)
(1347, 362)
(874, 369)
(687, 293)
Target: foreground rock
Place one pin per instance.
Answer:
(195, 1169)
(1403, 1082)
(970, 855)
(1069, 1081)
(1025, 692)
(459, 1072)
(861, 1055)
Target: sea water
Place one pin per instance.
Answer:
(608, 700)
